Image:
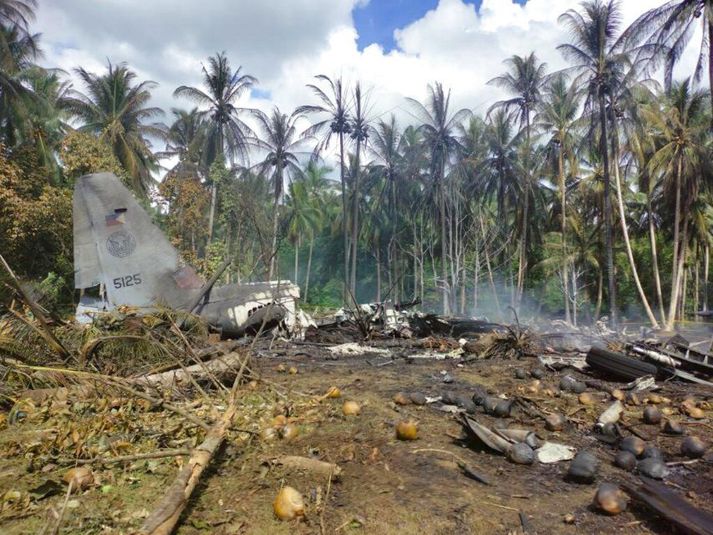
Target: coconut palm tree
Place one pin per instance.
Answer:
(600, 60)
(316, 186)
(359, 134)
(670, 28)
(336, 121)
(226, 134)
(21, 52)
(114, 108)
(185, 138)
(439, 132)
(524, 81)
(278, 138)
(680, 128)
(557, 119)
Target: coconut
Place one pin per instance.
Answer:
(625, 460)
(618, 394)
(652, 467)
(279, 420)
(489, 404)
(268, 434)
(281, 368)
(696, 413)
(654, 398)
(610, 429)
(693, 447)
(538, 373)
(583, 467)
(333, 393)
(534, 387)
(667, 411)
(652, 415)
(401, 399)
(569, 518)
(555, 422)
(633, 445)
(81, 478)
(672, 427)
(587, 399)
(610, 499)
(288, 504)
(520, 374)
(351, 408)
(479, 395)
(567, 383)
(521, 453)
(407, 430)
(417, 398)
(289, 431)
(466, 404)
(502, 409)
(293, 370)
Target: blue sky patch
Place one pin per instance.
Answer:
(377, 21)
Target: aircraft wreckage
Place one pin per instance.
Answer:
(122, 258)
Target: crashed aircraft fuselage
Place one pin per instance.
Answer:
(118, 249)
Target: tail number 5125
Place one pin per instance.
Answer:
(126, 281)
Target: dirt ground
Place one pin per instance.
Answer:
(387, 486)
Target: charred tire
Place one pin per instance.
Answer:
(618, 364)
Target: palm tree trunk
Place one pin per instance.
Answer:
(655, 258)
(297, 258)
(444, 242)
(211, 213)
(355, 221)
(522, 267)
(673, 302)
(476, 278)
(625, 232)
(378, 275)
(600, 294)
(609, 244)
(344, 218)
(275, 220)
(706, 266)
(563, 205)
(710, 60)
(309, 266)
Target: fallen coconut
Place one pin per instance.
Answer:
(401, 399)
(534, 387)
(633, 445)
(289, 431)
(555, 422)
(587, 399)
(537, 373)
(351, 408)
(520, 373)
(618, 394)
(610, 499)
(502, 409)
(651, 467)
(489, 404)
(333, 393)
(406, 430)
(696, 413)
(288, 504)
(693, 447)
(279, 420)
(293, 370)
(521, 453)
(654, 398)
(268, 434)
(625, 460)
(672, 427)
(80, 478)
(417, 398)
(583, 467)
(652, 415)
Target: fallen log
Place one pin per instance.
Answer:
(165, 515)
(220, 366)
(672, 507)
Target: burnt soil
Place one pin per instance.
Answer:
(387, 486)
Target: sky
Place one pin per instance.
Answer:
(394, 47)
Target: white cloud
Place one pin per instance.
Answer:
(286, 43)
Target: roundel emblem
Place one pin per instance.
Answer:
(121, 244)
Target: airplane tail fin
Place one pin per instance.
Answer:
(116, 244)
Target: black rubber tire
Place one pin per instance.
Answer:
(619, 365)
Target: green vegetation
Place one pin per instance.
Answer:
(584, 192)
